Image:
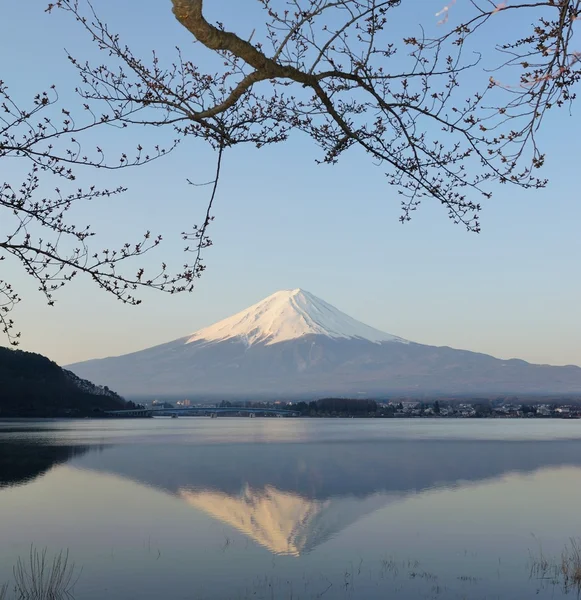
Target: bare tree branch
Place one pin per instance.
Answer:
(426, 109)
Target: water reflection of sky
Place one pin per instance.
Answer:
(239, 430)
(136, 498)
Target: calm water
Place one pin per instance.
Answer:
(293, 508)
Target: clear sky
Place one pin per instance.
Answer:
(284, 222)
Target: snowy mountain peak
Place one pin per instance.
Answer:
(288, 315)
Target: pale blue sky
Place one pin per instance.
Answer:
(284, 222)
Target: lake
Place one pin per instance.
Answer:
(236, 508)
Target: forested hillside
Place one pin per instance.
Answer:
(31, 385)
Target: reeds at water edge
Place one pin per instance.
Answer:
(37, 577)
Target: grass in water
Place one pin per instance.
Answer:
(564, 571)
(571, 565)
(39, 578)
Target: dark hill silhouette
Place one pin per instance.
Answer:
(31, 385)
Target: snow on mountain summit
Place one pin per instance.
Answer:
(287, 315)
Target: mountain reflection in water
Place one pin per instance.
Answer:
(285, 523)
(290, 498)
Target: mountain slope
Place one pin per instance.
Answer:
(33, 385)
(292, 344)
(289, 315)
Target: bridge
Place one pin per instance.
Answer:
(200, 411)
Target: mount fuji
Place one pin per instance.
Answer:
(295, 345)
(289, 315)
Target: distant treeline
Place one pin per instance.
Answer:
(350, 406)
(322, 406)
(31, 385)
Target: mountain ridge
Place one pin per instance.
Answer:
(293, 344)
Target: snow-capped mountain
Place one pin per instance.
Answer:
(293, 344)
(288, 315)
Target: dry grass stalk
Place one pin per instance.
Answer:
(39, 578)
(571, 565)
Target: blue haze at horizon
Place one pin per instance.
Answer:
(283, 222)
